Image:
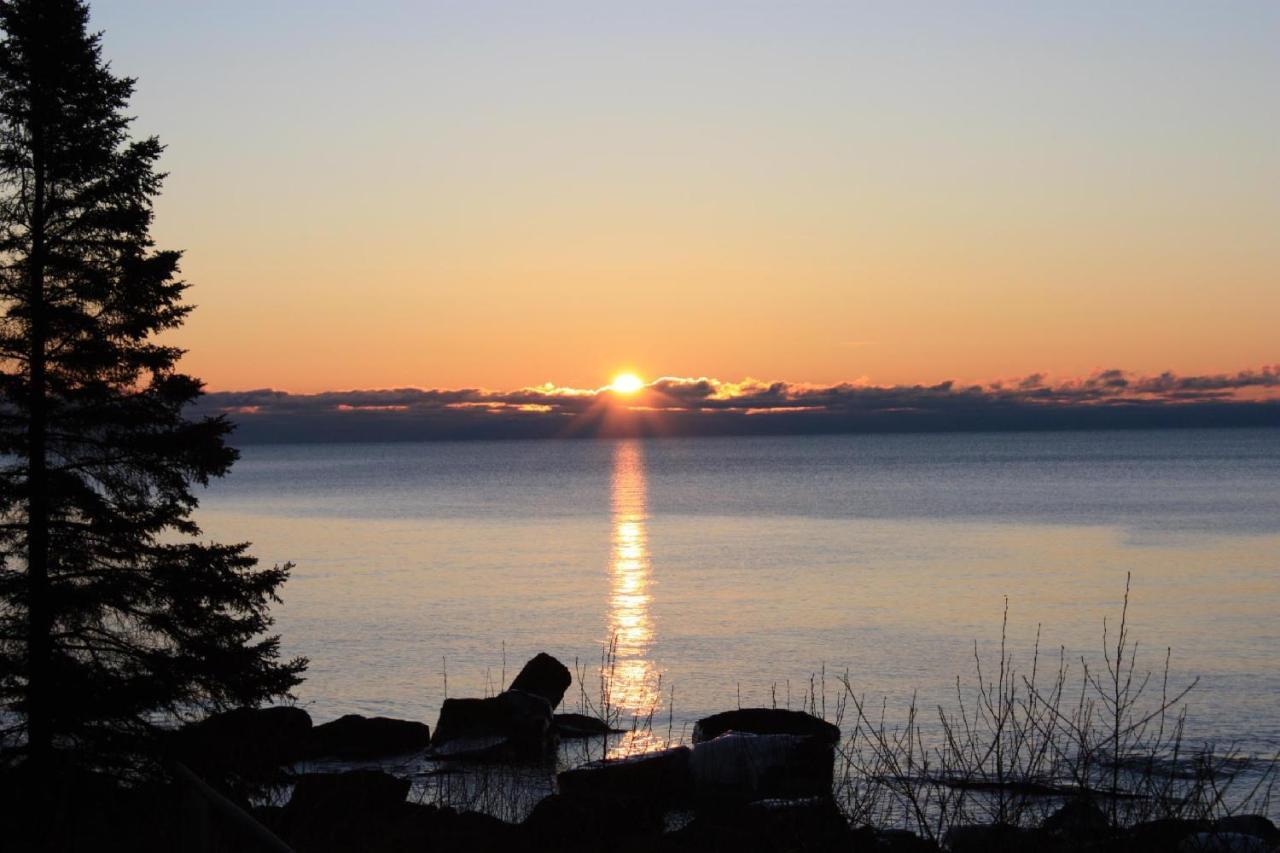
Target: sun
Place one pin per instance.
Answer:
(626, 383)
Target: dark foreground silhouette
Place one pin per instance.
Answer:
(116, 615)
(754, 779)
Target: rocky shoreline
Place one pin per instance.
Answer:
(753, 779)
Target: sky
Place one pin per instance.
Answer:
(673, 406)
(488, 195)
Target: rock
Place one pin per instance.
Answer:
(808, 824)
(1248, 824)
(272, 817)
(514, 724)
(1078, 820)
(427, 827)
(814, 822)
(765, 721)
(748, 766)
(354, 738)
(1223, 842)
(994, 838)
(243, 745)
(652, 777)
(321, 796)
(332, 826)
(568, 822)
(257, 725)
(900, 841)
(342, 811)
(1161, 836)
(475, 832)
(461, 718)
(544, 676)
(581, 726)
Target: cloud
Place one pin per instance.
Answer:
(673, 405)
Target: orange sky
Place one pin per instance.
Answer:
(449, 196)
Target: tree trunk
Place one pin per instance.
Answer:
(39, 609)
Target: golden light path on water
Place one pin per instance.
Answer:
(633, 682)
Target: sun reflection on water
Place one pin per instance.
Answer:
(633, 685)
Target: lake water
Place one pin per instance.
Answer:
(734, 570)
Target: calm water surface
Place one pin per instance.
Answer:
(742, 567)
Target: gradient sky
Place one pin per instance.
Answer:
(384, 194)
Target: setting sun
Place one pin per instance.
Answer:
(626, 383)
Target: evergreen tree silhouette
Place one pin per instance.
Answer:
(114, 616)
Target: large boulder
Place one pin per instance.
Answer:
(659, 778)
(747, 766)
(1078, 820)
(1161, 836)
(241, 749)
(765, 721)
(1249, 824)
(995, 838)
(422, 827)
(765, 826)
(357, 738)
(364, 792)
(341, 811)
(899, 841)
(1224, 842)
(256, 724)
(562, 822)
(511, 725)
(278, 732)
(544, 676)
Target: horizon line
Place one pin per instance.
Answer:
(703, 406)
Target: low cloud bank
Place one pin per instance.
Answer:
(1107, 399)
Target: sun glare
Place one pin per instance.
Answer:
(626, 383)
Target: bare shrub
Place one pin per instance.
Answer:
(1016, 744)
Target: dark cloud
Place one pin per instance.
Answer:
(703, 406)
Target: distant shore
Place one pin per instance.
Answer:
(271, 417)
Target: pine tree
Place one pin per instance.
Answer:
(114, 616)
